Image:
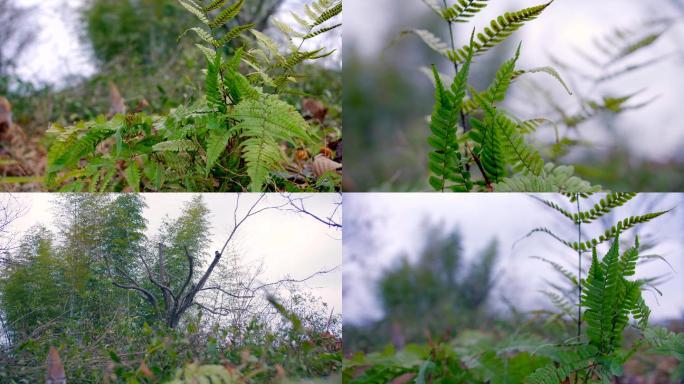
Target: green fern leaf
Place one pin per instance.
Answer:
(496, 92)
(559, 179)
(446, 162)
(264, 123)
(227, 14)
(214, 5)
(234, 33)
(175, 146)
(195, 11)
(463, 10)
(499, 29)
(133, 176)
(216, 144)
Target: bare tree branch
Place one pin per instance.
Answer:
(296, 204)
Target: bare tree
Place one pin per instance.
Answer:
(297, 204)
(10, 210)
(175, 304)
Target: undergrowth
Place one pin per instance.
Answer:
(241, 135)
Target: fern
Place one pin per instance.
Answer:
(487, 137)
(226, 13)
(463, 10)
(264, 122)
(552, 179)
(315, 22)
(499, 30)
(446, 161)
(239, 134)
(568, 361)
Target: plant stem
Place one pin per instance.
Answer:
(579, 272)
(453, 48)
(463, 115)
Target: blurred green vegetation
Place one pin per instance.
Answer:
(139, 47)
(425, 298)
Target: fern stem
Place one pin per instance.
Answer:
(579, 274)
(463, 115)
(480, 167)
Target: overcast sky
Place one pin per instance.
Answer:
(396, 228)
(288, 244)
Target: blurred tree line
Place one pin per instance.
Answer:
(138, 45)
(423, 299)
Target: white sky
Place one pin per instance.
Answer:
(480, 217)
(652, 132)
(288, 244)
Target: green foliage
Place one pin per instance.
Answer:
(416, 364)
(241, 136)
(446, 161)
(499, 30)
(57, 291)
(611, 317)
(194, 373)
(667, 343)
(474, 131)
(141, 30)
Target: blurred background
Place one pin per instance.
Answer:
(635, 144)
(57, 57)
(421, 267)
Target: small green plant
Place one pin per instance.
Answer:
(232, 139)
(469, 130)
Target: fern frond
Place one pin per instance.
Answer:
(75, 146)
(567, 361)
(430, 39)
(195, 11)
(499, 29)
(264, 123)
(561, 303)
(558, 179)
(551, 71)
(328, 14)
(216, 144)
(227, 14)
(610, 298)
(434, 5)
(445, 161)
(321, 31)
(175, 146)
(214, 5)
(234, 33)
(496, 92)
(463, 10)
(498, 137)
(604, 206)
(621, 226)
(211, 84)
(571, 277)
(133, 176)
(556, 208)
